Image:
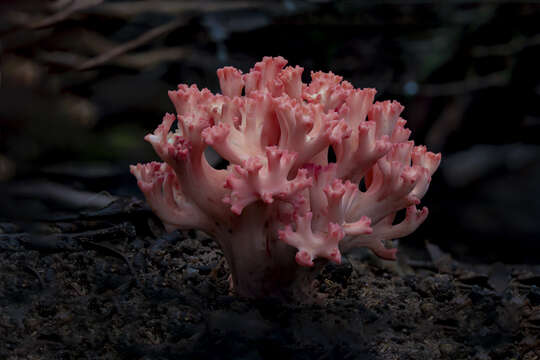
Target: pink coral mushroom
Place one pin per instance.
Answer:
(280, 195)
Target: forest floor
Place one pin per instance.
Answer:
(109, 284)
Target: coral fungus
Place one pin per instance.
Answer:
(280, 205)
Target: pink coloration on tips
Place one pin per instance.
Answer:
(311, 244)
(162, 131)
(359, 227)
(400, 133)
(264, 179)
(216, 134)
(304, 258)
(385, 114)
(328, 90)
(426, 159)
(179, 149)
(358, 105)
(231, 81)
(264, 76)
(340, 131)
(291, 78)
(159, 184)
(279, 194)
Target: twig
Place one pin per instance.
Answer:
(112, 251)
(129, 9)
(75, 6)
(34, 272)
(138, 60)
(513, 46)
(120, 231)
(61, 58)
(69, 242)
(132, 44)
(59, 4)
(448, 121)
(500, 78)
(60, 193)
(141, 60)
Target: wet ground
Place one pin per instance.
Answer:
(109, 284)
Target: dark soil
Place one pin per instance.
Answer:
(110, 284)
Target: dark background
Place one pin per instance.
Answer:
(83, 81)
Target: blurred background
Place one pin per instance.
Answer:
(82, 81)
